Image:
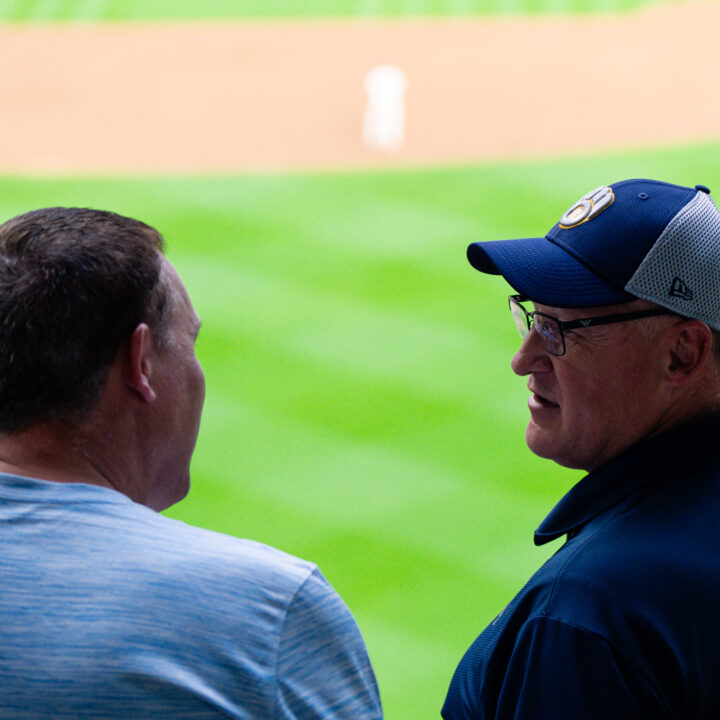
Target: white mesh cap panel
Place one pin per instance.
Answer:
(682, 270)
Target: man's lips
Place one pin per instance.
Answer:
(540, 402)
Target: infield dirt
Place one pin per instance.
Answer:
(227, 97)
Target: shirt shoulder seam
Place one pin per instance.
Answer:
(312, 570)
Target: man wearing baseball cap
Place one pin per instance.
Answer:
(618, 307)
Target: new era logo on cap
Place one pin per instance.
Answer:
(680, 290)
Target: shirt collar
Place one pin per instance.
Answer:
(677, 452)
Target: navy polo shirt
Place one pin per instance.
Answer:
(623, 621)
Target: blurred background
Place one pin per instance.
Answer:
(361, 412)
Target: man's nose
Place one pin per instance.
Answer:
(532, 356)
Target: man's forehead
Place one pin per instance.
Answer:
(179, 296)
(170, 276)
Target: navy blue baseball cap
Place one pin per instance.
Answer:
(633, 239)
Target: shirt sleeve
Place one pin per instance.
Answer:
(323, 669)
(560, 671)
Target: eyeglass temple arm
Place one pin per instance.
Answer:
(607, 319)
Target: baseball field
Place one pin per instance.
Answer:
(361, 412)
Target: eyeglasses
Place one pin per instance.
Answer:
(551, 330)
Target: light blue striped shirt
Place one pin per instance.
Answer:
(110, 610)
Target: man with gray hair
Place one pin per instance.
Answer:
(109, 610)
(618, 307)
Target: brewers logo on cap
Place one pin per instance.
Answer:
(587, 207)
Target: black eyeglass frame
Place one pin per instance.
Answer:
(570, 325)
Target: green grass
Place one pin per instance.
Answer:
(361, 412)
(118, 10)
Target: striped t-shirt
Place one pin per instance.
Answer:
(110, 610)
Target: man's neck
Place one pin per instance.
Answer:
(47, 452)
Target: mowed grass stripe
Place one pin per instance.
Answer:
(137, 10)
(319, 395)
(311, 325)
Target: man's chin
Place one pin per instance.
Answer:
(538, 441)
(169, 494)
(543, 442)
(183, 489)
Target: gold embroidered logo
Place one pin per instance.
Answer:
(587, 207)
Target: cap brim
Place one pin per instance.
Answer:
(544, 273)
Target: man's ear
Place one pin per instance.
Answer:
(137, 369)
(689, 351)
